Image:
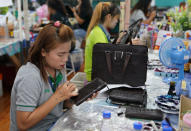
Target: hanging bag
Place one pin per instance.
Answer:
(121, 63)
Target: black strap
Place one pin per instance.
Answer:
(127, 57)
(108, 60)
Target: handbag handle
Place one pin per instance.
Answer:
(108, 60)
(125, 39)
(130, 33)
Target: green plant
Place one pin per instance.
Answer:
(181, 19)
(4, 10)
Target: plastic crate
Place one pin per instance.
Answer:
(77, 59)
(79, 79)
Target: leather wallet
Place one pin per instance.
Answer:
(87, 91)
(143, 113)
(129, 96)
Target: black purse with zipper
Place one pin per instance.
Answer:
(121, 63)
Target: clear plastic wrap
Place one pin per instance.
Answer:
(88, 116)
(80, 118)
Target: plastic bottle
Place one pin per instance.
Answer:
(6, 29)
(172, 90)
(187, 65)
(163, 38)
(164, 123)
(107, 121)
(141, 30)
(145, 34)
(189, 48)
(137, 126)
(164, 22)
(146, 29)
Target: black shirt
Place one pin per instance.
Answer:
(59, 17)
(86, 17)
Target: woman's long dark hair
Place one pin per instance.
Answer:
(142, 5)
(86, 8)
(47, 39)
(58, 6)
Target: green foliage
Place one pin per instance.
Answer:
(3, 10)
(181, 20)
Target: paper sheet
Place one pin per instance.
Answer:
(4, 3)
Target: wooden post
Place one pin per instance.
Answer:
(127, 13)
(20, 20)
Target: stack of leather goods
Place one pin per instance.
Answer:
(128, 96)
(143, 113)
(168, 103)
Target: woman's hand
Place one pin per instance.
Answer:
(121, 34)
(65, 91)
(153, 14)
(93, 96)
(68, 104)
(73, 9)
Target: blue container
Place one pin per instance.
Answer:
(164, 123)
(137, 126)
(167, 128)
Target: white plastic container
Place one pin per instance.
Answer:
(79, 79)
(107, 122)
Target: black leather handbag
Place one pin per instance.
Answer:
(120, 63)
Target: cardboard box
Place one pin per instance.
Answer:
(2, 31)
(185, 105)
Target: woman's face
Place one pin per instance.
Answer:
(57, 57)
(112, 21)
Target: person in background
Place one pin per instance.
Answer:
(140, 10)
(41, 2)
(57, 12)
(82, 13)
(40, 88)
(105, 16)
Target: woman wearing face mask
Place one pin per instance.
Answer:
(140, 10)
(105, 16)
